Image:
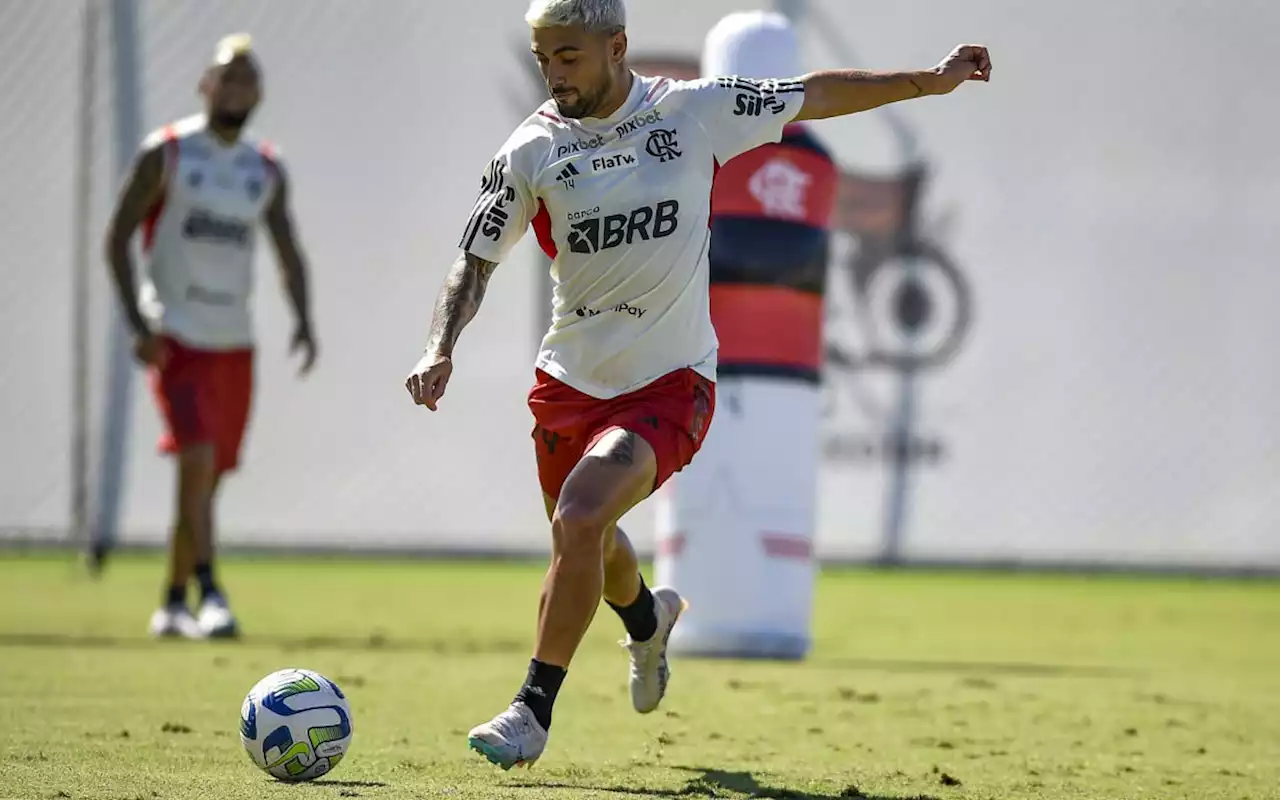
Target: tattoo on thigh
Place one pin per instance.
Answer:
(624, 450)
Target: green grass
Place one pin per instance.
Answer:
(939, 685)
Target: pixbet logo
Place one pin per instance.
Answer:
(596, 234)
(636, 123)
(579, 146)
(620, 308)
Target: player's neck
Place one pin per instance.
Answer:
(224, 135)
(621, 91)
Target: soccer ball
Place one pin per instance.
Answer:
(295, 724)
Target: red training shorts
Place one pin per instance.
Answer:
(204, 398)
(672, 414)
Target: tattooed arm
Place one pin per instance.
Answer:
(500, 216)
(457, 304)
(835, 93)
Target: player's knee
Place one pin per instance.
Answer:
(197, 469)
(580, 527)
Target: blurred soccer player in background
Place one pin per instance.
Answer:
(198, 190)
(614, 174)
(743, 515)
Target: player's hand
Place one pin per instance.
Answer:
(304, 340)
(968, 62)
(427, 380)
(150, 350)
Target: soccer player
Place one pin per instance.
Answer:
(614, 175)
(198, 189)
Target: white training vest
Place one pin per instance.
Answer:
(622, 206)
(201, 239)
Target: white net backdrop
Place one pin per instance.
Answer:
(1115, 399)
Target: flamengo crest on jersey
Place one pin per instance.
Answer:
(622, 205)
(201, 239)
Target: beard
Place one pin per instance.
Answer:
(576, 110)
(229, 119)
(586, 105)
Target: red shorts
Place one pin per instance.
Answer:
(672, 414)
(204, 398)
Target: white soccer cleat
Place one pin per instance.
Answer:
(514, 738)
(216, 620)
(649, 669)
(174, 621)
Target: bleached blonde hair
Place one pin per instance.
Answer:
(237, 45)
(596, 16)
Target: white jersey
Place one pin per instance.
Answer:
(622, 206)
(201, 238)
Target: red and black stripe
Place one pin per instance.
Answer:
(768, 267)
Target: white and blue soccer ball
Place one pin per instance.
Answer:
(296, 725)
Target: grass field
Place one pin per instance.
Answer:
(922, 685)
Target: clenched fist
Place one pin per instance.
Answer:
(968, 62)
(427, 380)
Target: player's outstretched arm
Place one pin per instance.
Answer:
(142, 189)
(456, 305)
(836, 93)
(293, 269)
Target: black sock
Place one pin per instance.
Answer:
(540, 689)
(641, 617)
(204, 576)
(175, 596)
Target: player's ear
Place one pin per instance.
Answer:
(618, 47)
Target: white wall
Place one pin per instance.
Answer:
(1112, 189)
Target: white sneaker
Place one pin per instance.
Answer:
(216, 620)
(514, 738)
(174, 621)
(649, 669)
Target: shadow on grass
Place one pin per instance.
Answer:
(461, 647)
(372, 642)
(714, 782)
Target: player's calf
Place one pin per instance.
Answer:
(616, 473)
(625, 590)
(198, 478)
(572, 591)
